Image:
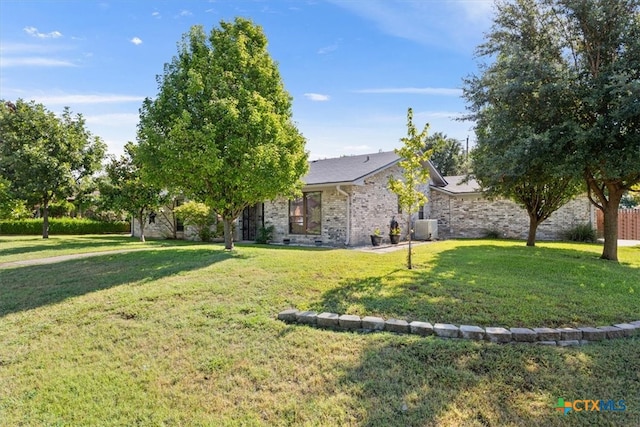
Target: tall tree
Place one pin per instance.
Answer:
(449, 158)
(561, 100)
(124, 189)
(604, 39)
(44, 156)
(415, 173)
(220, 130)
(518, 103)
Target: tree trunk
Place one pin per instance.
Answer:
(409, 255)
(228, 233)
(610, 213)
(141, 222)
(533, 227)
(45, 218)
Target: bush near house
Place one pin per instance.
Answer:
(63, 226)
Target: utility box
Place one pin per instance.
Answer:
(426, 229)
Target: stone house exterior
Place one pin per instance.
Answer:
(345, 199)
(463, 212)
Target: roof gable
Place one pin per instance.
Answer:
(353, 170)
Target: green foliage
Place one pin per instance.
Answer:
(61, 209)
(61, 226)
(580, 233)
(44, 156)
(414, 157)
(199, 216)
(124, 189)
(448, 157)
(265, 234)
(561, 98)
(220, 129)
(492, 234)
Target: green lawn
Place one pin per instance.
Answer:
(185, 334)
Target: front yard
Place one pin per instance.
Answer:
(185, 334)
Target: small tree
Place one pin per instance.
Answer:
(44, 156)
(199, 216)
(124, 189)
(415, 173)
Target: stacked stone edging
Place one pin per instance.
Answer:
(544, 336)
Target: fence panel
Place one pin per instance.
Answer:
(628, 224)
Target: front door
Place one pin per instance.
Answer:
(250, 219)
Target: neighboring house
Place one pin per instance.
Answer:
(345, 199)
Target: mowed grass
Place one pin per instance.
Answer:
(187, 335)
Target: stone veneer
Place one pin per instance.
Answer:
(544, 336)
(473, 216)
(371, 206)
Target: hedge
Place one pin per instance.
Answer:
(62, 226)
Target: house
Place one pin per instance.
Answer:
(345, 199)
(463, 212)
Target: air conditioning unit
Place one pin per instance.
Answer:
(426, 229)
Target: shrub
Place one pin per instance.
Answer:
(199, 216)
(265, 234)
(580, 233)
(492, 234)
(62, 226)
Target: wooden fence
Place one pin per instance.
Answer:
(628, 224)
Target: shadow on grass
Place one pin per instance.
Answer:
(94, 242)
(491, 285)
(25, 288)
(400, 382)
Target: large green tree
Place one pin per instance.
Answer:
(448, 157)
(562, 98)
(44, 156)
(520, 105)
(124, 189)
(220, 129)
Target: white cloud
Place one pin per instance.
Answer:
(156, 14)
(454, 23)
(33, 31)
(115, 119)
(136, 40)
(34, 62)
(327, 49)
(316, 97)
(415, 90)
(86, 99)
(184, 12)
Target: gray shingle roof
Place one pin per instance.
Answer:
(348, 169)
(455, 185)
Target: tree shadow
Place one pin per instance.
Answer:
(29, 287)
(402, 381)
(82, 242)
(492, 285)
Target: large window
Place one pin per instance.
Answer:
(305, 214)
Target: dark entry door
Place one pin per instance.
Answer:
(249, 222)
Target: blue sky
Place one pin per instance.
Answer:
(353, 67)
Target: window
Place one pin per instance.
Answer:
(305, 214)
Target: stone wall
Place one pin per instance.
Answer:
(372, 206)
(472, 216)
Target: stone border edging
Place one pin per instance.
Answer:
(544, 336)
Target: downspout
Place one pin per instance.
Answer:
(348, 196)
